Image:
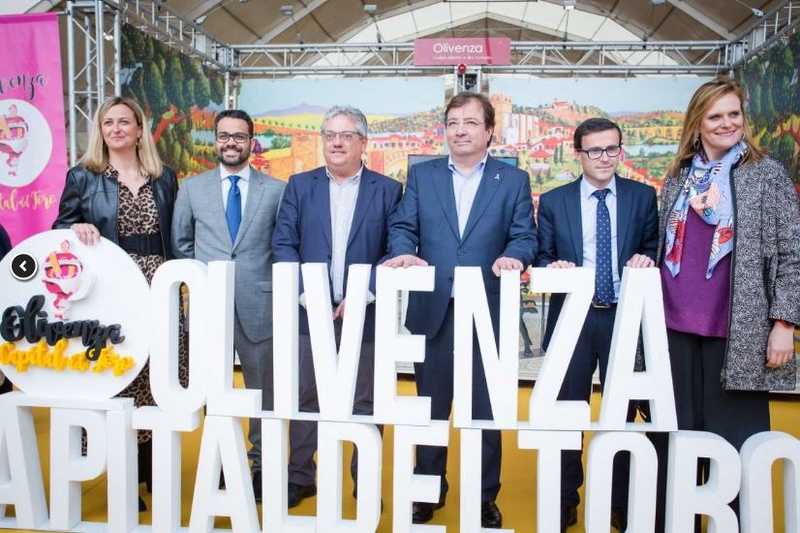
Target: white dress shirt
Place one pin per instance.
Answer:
(244, 180)
(465, 188)
(343, 206)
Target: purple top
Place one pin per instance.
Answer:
(692, 303)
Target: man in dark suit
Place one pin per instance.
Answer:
(467, 209)
(576, 230)
(5, 247)
(227, 214)
(336, 214)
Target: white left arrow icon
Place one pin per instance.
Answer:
(23, 267)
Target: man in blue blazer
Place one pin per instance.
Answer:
(571, 234)
(336, 214)
(467, 209)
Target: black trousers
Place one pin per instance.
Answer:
(303, 433)
(703, 404)
(591, 352)
(434, 378)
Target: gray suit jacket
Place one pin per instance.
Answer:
(200, 231)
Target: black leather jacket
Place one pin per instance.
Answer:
(5, 242)
(91, 197)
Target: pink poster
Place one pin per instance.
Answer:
(33, 155)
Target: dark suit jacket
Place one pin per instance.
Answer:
(561, 235)
(425, 224)
(5, 242)
(303, 228)
(93, 198)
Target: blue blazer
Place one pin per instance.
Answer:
(425, 224)
(561, 234)
(303, 228)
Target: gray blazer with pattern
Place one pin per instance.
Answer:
(200, 231)
(765, 269)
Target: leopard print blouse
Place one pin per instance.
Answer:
(137, 214)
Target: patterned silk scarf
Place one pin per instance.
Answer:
(706, 190)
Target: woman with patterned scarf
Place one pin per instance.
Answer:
(730, 269)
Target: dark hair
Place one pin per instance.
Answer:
(463, 98)
(593, 125)
(234, 113)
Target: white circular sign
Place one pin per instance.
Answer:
(26, 143)
(78, 327)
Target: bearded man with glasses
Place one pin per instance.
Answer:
(227, 214)
(604, 221)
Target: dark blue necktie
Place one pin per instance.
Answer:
(603, 282)
(233, 209)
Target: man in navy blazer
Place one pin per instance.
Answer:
(467, 209)
(568, 237)
(336, 214)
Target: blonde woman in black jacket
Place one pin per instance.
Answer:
(120, 190)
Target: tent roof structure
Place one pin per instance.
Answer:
(338, 21)
(549, 37)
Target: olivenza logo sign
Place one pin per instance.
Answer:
(74, 325)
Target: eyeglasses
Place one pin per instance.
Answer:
(344, 136)
(469, 124)
(597, 153)
(224, 136)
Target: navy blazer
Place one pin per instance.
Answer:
(303, 228)
(561, 233)
(500, 224)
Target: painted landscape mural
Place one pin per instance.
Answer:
(773, 89)
(536, 119)
(178, 94)
(404, 115)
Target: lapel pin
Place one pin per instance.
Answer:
(497, 177)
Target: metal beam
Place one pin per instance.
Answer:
(354, 58)
(202, 8)
(288, 22)
(158, 20)
(702, 18)
(565, 69)
(94, 73)
(12, 7)
(777, 23)
(379, 17)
